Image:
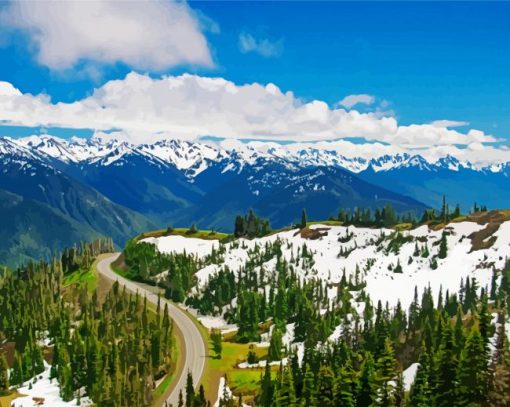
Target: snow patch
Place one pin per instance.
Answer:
(49, 390)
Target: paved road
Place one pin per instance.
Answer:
(194, 358)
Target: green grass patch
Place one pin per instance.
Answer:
(163, 386)
(244, 381)
(199, 234)
(87, 278)
(325, 222)
(403, 226)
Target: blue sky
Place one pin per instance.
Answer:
(420, 61)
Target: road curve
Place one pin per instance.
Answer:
(194, 358)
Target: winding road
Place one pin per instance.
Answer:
(195, 353)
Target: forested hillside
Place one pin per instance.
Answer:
(361, 311)
(98, 346)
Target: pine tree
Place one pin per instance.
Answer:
(180, 403)
(443, 246)
(345, 384)
(399, 390)
(17, 375)
(252, 357)
(326, 387)
(367, 388)
(239, 227)
(4, 375)
(444, 375)
(386, 373)
(266, 394)
(286, 394)
(485, 321)
(200, 400)
(190, 391)
(309, 396)
(275, 345)
(444, 211)
(419, 395)
(217, 343)
(472, 375)
(304, 219)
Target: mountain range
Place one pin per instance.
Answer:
(114, 188)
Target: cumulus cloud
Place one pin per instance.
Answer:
(353, 100)
(144, 109)
(147, 35)
(263, 46)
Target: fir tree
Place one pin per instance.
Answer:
(309, 396)
(444, 375)
(190, 391)
(472, 375)
(345, 385)
(286, 394)
(4, 375)
(443, 246)
(275, 345)
(326, 387)
(17, 374)
(386, 373)
(304, 219)
(217, 342)
(367, 388)
(267, 390)
(419, 395)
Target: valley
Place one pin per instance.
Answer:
(117, 189)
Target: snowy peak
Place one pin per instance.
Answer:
(9, 147)
(51, 146)
(193, 158)
(184, 155)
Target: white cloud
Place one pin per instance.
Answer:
(264, 47)
(449, 123)
(190, 106)
(353, 100)
(147, 35)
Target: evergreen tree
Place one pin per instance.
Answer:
(419, 395)
(17, 374)
(345, 385)
(217, 342)
(4, 375)
(286, 394)
(267, 390)
(386, 373)
(443, 246)
(367, 387)
(326, 387)
(444, 375)
(472, 375)
(304, 219)
(309, 396)
(190, 391)
(275, 345)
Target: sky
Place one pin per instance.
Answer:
(411, 76)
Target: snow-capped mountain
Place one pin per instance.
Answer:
(179, 182)
(192, 158)
(204, 166)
